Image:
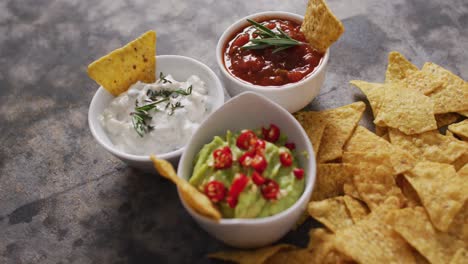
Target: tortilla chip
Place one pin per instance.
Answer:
(373, 91)
(321, 246)
(463, 171)
(412, 198)
(407, 110)
(398, 67)
(340, 124)
(195, 199)
(372, 241)
(373, 176)
(453, 95)
(460, 257)
(329, 181)
(314, 126)
(415, 227)
(292, 256)
(461, 161)
(430, 146)
(258, 256)
(463, 113)
(446, 119)
(356, 209)
(331, 212)
(320, 26)
(363, 140)
(382, 132)
(441, 190)
(459, 226)
(350, 190)
(422, 82)
(460, 129)
(123, 67)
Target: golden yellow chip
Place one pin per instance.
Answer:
(258, 256)
(373, 176)
(356, 209)
(412, 198)
(195, 199)
(414, 226)
(460, 257)
(463, 113)
(292, 256)
(453, 95)
(321, 27)
(350, 189)
(460, 129)
(363, 140)
(331, 212)
(422, 82)
(341, 122)
(321, 246)
(446, 119)
(372, 241)
(382, 132)
(430, 146)
(398, 67)
(461, 161)
(314, 126)
(329, 181)
(373, 91)
(123, 67)
(441, 190)
(459, 226)
(407, 110)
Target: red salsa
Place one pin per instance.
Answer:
(265, 67)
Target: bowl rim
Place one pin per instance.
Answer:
(311, 177)
(234, 27)
(217, 103)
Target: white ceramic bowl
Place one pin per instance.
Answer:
(293, 96)
(180, 68)
(250, 110)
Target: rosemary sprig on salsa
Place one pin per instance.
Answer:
(267, 38)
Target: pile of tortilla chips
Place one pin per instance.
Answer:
(398, 196)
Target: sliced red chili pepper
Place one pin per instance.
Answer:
(286, 159)
(259, 163)
(260, 146)
(238, 185)
(215, 191)
(246, 139)
(270, 189)
(246, 159)
(271, 134)
(299, 173)
(290, 145)
(222, 158)
(257, 178)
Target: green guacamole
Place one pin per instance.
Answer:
(251, 203)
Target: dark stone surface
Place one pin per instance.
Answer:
(64, 199)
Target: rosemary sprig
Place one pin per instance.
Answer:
(163, 79)
(270, 39)
(141, 117)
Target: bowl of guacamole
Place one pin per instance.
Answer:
(249, 173)
(255, 163)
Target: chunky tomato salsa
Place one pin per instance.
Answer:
(270, 65)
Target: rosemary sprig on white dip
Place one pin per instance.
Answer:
(141, 118)
(267, 38)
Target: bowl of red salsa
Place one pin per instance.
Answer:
(276, 62)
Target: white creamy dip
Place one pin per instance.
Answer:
(172, 121)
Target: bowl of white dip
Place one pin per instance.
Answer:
(157, 118)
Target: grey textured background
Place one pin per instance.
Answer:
(64, 199)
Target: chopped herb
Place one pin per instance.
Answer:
(163, 79)
(141, 117)
(270, 39)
